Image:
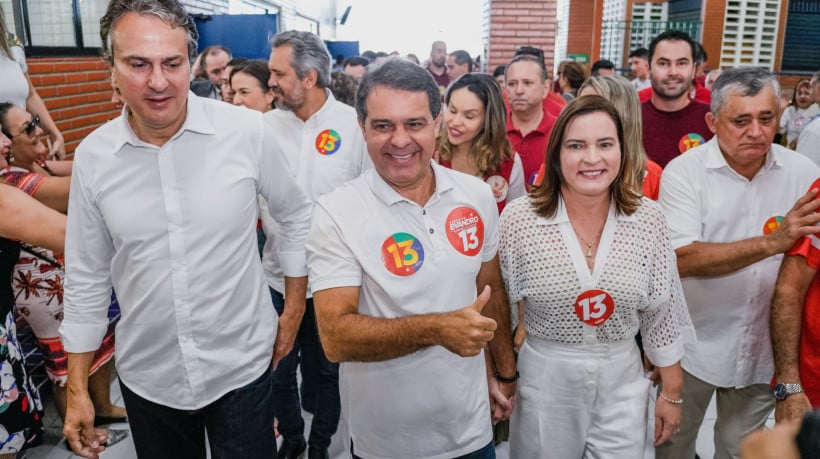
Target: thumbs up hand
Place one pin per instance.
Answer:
(465, 331)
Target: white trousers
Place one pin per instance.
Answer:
(579, 401)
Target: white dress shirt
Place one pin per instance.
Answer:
(705, 200)
(408, 260)
(172, 229)
(808, 144)
(323, 152)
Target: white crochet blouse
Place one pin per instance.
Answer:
(543, 264)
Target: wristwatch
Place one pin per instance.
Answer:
(783, 390)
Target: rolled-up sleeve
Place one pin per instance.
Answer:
(88, 253)
(287, 204)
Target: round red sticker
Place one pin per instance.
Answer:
(594, 307)
(499, 186)
(465, 230)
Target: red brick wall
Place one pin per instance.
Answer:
(714, 16)
(77, 92)
(517, 23)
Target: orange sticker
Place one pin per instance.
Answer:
(594, 307)
(771, 225)
(465, 230)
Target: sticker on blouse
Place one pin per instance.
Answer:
(328, 142)
(772, 224)
(535, 179)
(465, 230)
(402, 254)
(499, 186)
(594, 307)
(690, 141)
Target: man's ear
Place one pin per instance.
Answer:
(710, 122)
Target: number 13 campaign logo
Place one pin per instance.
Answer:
(594, 307)
(328, 142)
(402, 254)
(465, 230)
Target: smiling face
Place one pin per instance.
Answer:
(152, 72)
(26, 147)
(400, 133)
(745, 128)
(803, 98)
(590, 155)
(464, 117)
(248, 92)
(672, 70)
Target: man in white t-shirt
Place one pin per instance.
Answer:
(396, 259)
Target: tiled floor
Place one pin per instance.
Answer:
(54, 447)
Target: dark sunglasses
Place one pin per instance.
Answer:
(31, 126)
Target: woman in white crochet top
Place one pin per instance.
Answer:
(592, 263)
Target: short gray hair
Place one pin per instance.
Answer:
(169, 11)
(308, 53)
(397, 73)
(745, 81)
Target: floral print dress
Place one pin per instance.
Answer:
(21, 411)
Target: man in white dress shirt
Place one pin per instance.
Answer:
(164, 209)
(734, 205)
(325, 148)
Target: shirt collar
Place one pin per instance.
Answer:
(389, 196)
(196, 120)
(716, 160)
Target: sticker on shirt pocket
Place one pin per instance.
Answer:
(594, 307)
(328, 142)
(402, 254)
(465, 230)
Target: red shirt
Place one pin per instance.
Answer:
(441, 80)
(810, 330)
(652, 180)
(668, 134)
(554, 104)
(702, 94)
(532, 148)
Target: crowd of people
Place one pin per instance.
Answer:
(436, 250)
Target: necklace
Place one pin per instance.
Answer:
(587, 243)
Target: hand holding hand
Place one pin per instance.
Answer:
(85, 440)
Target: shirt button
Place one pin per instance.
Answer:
(590, 385)
(591, 368)
(423, 211)
(432, 231)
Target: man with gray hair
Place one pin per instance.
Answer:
(324, 148)
(164, 210)
(734, 205)
(395, 287)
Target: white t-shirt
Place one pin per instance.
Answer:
(14, 88)
(408, 260)
(706, 200)
(808, 143)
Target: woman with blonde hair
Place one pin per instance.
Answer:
(474, 137)
(592, 263)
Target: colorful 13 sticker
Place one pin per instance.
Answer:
(594, 307)
(402, 254)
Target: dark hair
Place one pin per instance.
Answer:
(237, 61)
(308, 52)
(671, 35)
(169, 11)
(803, 82)
(500, 70)
(490, 146)
(463, 57)
(528, 58)
(4, 112)
(575, 74)
(536, 53)
(210, 51)
(398, 73)
(343, 87)
(356, 60)
(601, 64)
(700, 54)
(546, 196)
(255, 68)
(642, 53)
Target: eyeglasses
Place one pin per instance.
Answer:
(32, 125)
